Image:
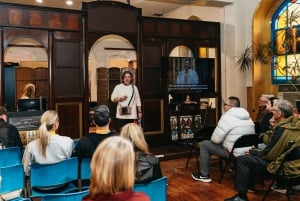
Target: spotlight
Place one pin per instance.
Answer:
(69, 2)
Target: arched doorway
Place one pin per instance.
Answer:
(25, 61)
(110, 55)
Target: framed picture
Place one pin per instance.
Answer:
(186, 123)
(174, 127)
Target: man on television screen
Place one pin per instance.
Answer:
(188, 75)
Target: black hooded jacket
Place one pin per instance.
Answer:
(9, 135)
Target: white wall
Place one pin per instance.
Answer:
(236, 35)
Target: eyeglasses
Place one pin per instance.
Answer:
(227, 104)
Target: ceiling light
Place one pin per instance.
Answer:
(39, 1)
(69, 2)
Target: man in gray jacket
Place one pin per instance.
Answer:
(234, 123)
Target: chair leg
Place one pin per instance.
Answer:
(189, 157)
(288, 193)
(268, 190)
(223, 171)
(198, 163)
(221, 164)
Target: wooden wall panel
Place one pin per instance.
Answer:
(41, 82)
(68, 69)
(151, 74)
(181, 28)
(70, 122)
(35, 17)
(36, 76)
(153, 116)
(102, 17)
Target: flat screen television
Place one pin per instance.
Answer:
(34, 104)
(186, 75)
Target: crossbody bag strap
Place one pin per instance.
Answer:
(131, 95)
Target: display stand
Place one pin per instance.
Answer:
(185, 121)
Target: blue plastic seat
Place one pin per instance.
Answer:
(85, 173)
(77, 196)
(12, 179)
(156, 190)
(56, 178)
(85, 170)
(10, 156)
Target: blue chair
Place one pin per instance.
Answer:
(10, 156)
(56, 178)
(77, 196)
(85, 172)
(156, 190)
(12, 180)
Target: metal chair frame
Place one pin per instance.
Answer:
(243, 141)
(204, 133)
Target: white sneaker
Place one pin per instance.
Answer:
(199, 177)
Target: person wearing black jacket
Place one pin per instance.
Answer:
(88, 143)
(9, 134)
(148, 165)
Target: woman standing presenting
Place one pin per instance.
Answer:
(128, 100)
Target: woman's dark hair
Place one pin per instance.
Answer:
(127, 72)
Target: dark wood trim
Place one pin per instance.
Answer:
(32, 46)
(112, 48)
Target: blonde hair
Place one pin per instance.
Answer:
(112, 167)
(48, 119)
(134, 133)
(28, 91)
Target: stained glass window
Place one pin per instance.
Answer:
(285, 32)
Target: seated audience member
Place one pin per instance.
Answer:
(234, 123)
(49, 147)
(260, 161)
(262, 109)
(265, 123)
(9, 137)
(148, 166)
(88, 143)
(113, 172)
(9, 134)
(28, 92)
